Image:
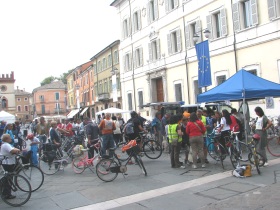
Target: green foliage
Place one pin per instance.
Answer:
(62, 77)
(47, 80)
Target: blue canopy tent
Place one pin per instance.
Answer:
(242, 85)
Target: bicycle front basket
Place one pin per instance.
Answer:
(136, 149)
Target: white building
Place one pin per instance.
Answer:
(157, 52)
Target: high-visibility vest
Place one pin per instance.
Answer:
(172, 133)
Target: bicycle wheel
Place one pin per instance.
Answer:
(273, 146)
(20, 188)
(34, 175)
(215, 151)
(106, 170)
(123, 156)
(260, 158)
(79, 165)
(47, 167)
(152, 149)
(141, 164)
(243, 151)
(234, 158)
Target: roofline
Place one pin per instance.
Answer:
(105, 49)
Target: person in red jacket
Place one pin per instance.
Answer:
(195, 129)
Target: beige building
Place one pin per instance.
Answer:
(24, 112)
(7, 93)
(158, 59)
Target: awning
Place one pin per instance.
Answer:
(72, 113)
(85, 109)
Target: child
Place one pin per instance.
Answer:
(33, 141)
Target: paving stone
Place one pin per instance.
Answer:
(239, 187)
(217, 193)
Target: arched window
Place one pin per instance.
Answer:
(18, 108)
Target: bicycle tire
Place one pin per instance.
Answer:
(141, 164)
(215, 151)
(234, 158)
(48, 168)
(20, 187)
(256, 162)
(243, 150)
(261, 159)
(122, 156)
(273, 146)
(103, 170)
(34, 175)
(79, 165)
(152, 149)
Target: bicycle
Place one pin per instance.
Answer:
(20, 189)
(34, 174)
(79, 164)
(273, 142)
(108, 168)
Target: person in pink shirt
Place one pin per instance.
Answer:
(195, 129)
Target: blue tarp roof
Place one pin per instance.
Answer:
(239, 86)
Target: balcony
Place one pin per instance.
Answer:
(60, 111)
(103, 97)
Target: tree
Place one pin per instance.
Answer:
(47, 80)
(64, 75)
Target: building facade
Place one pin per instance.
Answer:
(50, 99)
(158, 60)
(24, 110)
(7, 93)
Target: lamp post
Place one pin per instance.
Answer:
(78, 96)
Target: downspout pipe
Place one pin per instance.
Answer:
(234, 41)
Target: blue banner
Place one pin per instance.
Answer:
(204, 67)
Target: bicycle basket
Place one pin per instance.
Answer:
(129, 145)
(135, 150)
(49, 156)
(77, 150)
(48, 147)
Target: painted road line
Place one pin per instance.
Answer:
(118, 202)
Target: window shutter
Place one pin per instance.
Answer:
(187, 36)
(166, 6)
(158, 48)
(179, 42)
(156, 9)
(130, 61)
(150, 52)
(139, 19)
(141, 56)
(271, 9)
(124, 63)
(198, 30)
(129, 27)
(235, 16)
(123, 30)
(178, 92)
(135, 58)
(176, 3)
(148, 12)
(254, 8)
(209, 25)
(133, 27)
(169, 44)
(224, 21)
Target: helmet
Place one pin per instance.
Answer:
(133, 114)
(30, 136)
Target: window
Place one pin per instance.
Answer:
(43, 109)
(174, 42)
(4, 103)
(99, 67)
(217, 24)
(253, 71)
(127, 62)
(152, 11)
(273, 9)
(56, 96)
(118, 83)
(19, 108)
(129, 101)
(100, 88)
(138, 57)
(126, 28)
(104, 63)
(109, 60)
(140, 98)
(105, 86)
(178, 92)
(190, 30)
(245, 14)
(18, 99)
(110, 85)
(26, 99)
(197, 90)
(3, 88)
(136, 21)
(95, 68)
(154, 50)
(72, 100)
(220, 79)
(170, 5)
(26, 108)
(41, 98)
(95, 89)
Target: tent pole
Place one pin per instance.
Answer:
(245, 120)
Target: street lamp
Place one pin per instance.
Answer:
(206, 34)
(78, 96)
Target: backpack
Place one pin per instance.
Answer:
(108, 124)
(129, 127)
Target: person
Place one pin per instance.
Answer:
(117, 134)
(262, 124)
(55, 138)
(141, 119)
(17, 134)
(175, 134)
(98, 120)
(201, 115)
(42, 130)
(185, 137)
(91, 131)
(33, 126)
(2, 127)
(137, 128)
(9, 130)
(69, 128)
(156, 127)
(164, 121)
(240, 121)
(34, 148)
(9, 152)
(107, 126)
(196, 129)
(224, 128)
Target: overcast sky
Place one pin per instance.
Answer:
(42, 38)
